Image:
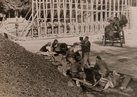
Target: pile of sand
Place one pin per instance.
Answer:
(24, 74)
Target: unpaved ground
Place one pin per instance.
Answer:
(24, 74)
(115, 56)
(121, 59)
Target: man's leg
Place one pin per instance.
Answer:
(84, 60)
(89, 59)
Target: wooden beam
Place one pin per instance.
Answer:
(82, 23)
(92, 14)
(106, 12)
(76, 7)
(101, 15)
(97, 11)
(39, 6)
(110, 8)
(29, 25)
(39, 19)
(58, 11)
(64, 7)
(87, 19)
(37, 22)
(125, 82)
(45, 19)
(118, 7)
(114, 8)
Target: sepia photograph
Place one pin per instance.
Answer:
(68, 48)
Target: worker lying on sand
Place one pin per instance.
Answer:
(49, 48)
(46, 49)
(75, 70)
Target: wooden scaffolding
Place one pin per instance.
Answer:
(63, 18)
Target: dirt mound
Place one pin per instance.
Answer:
(24, 74)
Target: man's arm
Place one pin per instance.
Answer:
(87, 43)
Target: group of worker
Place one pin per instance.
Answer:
(79, 60)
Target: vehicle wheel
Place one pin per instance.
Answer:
(121, 44)
(104, 41)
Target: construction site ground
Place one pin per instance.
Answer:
(122, 59)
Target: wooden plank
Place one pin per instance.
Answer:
(122, 5)
(70, 17)
(114, 8)
(39, 19)
(109, 90)
(32, 9)
(52, 15)
(58, 12)
(82, 81)
(87, 19)
(29, 25)
(91, 22)
(64, 7)
(71, 22)
(82, 23)
(118, 7)
(125, 82)
(130, 2)
(37, 22)
(45, 17)
(110, 2)
(76, 7)
(106, 6)
(101, 15)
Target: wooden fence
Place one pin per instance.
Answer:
(133, 3)
(63, 18)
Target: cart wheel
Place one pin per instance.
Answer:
(104, 41)
(121, 44)
(112, 42)
(121, 41)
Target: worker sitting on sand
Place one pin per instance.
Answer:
(101, 66)
(75, 70)
(61, 48)
(75, 52)
(102, 74)
(100, 69)
(54, 45)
